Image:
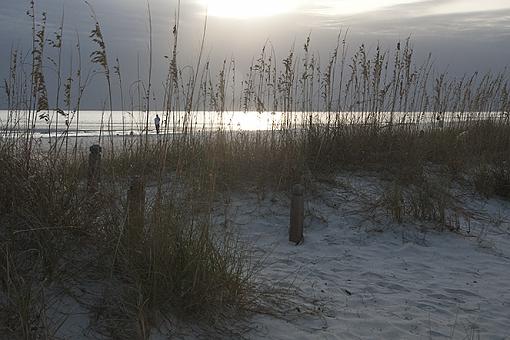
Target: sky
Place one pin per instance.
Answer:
(462, 35)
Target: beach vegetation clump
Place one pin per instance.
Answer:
(493, 180)
(426, 200)
(178, 267)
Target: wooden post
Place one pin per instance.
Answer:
(297, 214)
(94, 174)
(135, 211)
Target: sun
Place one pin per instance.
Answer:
(245, 9)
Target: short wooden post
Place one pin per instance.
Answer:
(94, 174)
(297, 214)
(135, 211)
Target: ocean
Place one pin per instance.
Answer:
(92, 123)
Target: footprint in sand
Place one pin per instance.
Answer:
(461, 292)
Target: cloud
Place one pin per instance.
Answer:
(425, 19)
(407, 8)
(344, 8)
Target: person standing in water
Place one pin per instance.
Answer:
(156, 123)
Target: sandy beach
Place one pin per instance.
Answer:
(359, 274)
(362, 276)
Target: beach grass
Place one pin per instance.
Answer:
(377, 113)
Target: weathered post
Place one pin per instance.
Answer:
(94, 175)
(297, 214)
(135, 211)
